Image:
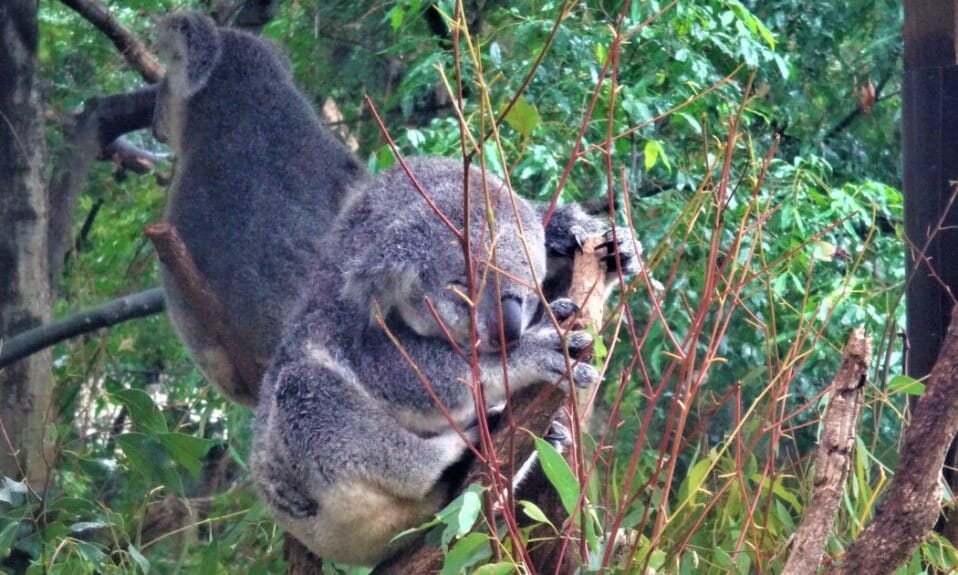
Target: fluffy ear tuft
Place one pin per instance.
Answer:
(378, 277)
(192, 45)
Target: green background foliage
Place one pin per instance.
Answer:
(772, 245)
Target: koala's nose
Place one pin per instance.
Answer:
(510, 321)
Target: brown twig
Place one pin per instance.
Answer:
(833, 459)
(911, 504)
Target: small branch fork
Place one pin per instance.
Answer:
(911, 504)
(834, 457)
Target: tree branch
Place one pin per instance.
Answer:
(132, 49)
(834, 456)
(102, 120)
(911, 503)
(122, 309)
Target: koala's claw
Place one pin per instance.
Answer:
(564, 308)
(584, 375)
(579, 341)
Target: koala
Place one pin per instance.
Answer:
(351, 442)
(258, 181)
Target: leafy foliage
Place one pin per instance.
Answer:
(767, 202)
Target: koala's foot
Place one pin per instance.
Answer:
(544, 354)
(564, 308)
(621, 242)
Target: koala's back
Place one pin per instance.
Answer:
(258, 182)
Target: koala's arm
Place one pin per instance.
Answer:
(568, 226)
(541, 355)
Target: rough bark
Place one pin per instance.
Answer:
(911, 503)
(26, 388)
(833, 460)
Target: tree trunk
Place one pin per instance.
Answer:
(25, 387)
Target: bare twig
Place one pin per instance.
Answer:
(834, 456)
(116, 311)
(132, 49)
(911, 503)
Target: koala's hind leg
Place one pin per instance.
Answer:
(211, 357)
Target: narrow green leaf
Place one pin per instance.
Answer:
(142, 562)
(468, 551)
(559, 474)
(534, 512)
(906, 385)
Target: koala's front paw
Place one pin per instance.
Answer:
(563, 308)
(621, 240)
(583, 373)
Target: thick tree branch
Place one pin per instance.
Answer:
(911, 503)
(833, 459)
(132, 49)
(122, 309)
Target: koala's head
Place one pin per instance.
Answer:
(410, 264)
(190, 45)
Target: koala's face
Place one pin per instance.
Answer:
(414, 265)
(496, 293)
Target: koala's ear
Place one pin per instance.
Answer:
(192, 45)
(381, 275)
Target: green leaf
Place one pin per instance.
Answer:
(655, 152)
(142, 562)
(7, 537)
(694, 479)
(496, 569)
(534, 512)
(559, 474)
(144, 412)
(186, 450)
(468, 551)
(523, 117)
(906, 385)
(471, 506)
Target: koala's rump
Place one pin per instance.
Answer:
(357, 520)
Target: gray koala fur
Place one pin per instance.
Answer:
(258, 181)
(349, 447)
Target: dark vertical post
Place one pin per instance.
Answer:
(930, 168)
